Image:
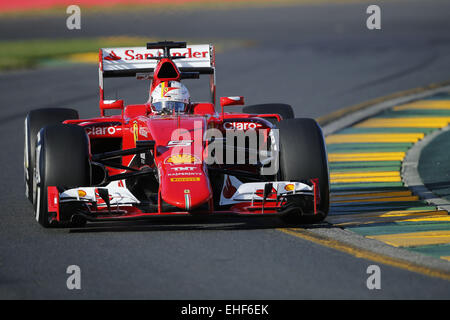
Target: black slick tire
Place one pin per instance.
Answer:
(34, 121)
(303, 156)
(62, 160)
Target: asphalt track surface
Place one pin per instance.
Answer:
(317, 58)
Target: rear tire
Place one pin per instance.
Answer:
(62, 160)
(34, 121)
(303, 157)
(284, 110)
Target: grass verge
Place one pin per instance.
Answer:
(25, 54)
(20, 54)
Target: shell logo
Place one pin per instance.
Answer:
(182, 159)
(81, 193)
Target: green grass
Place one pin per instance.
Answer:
(20, 54)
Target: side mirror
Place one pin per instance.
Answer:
(110, 104)
(231, 101)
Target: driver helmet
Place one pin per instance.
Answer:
(169, 97)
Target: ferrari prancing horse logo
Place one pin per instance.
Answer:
(135, 131)
(165, 90)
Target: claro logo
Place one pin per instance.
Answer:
(101, 131)
(241, 125)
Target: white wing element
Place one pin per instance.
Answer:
(135, 58)
(118, 194)
(234, 191)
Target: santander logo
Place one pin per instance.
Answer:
(112, 56)
(229, 189)
(272, 194)
(131, 54)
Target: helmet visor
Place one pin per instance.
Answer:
(169, 106)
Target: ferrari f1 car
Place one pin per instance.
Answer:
(172, 156)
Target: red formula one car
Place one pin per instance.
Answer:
(170, 155)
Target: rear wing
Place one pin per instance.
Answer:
(129, 62)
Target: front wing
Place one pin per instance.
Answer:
(115, 202)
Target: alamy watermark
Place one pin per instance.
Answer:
(73, 22)
(251, 146)
(374, 280)
(73, 282)
(373, 22)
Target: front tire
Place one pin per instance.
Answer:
(62, 160)
(34, 121)
(303, 156)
